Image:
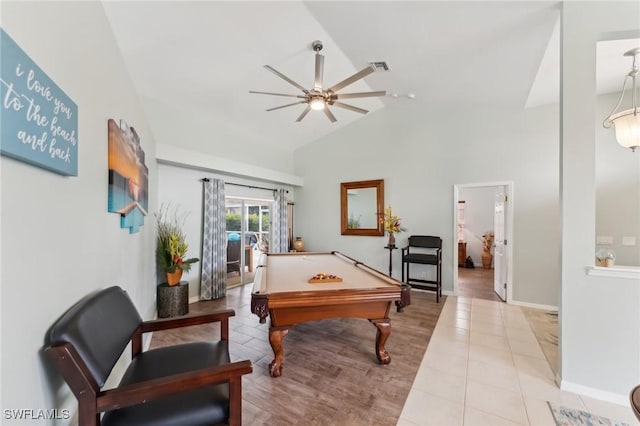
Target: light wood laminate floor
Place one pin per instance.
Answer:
(331, 375)
(476, 282)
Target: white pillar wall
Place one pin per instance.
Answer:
(599, 316)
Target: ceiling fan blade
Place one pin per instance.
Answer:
(319, 71)
(358, 95)
(287, 105)
(285, 78)
(277, 94)
(305, 112)
(349, 80)
(350, 107)
(329, 115)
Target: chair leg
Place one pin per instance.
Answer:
(235, 401)
(440, 279)
(439, 283)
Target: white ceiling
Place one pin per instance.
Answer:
(205, 56)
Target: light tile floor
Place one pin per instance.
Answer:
(484, 366)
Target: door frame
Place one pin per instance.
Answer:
(508, 185)
(245, 203)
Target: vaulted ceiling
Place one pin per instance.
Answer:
(205, 56)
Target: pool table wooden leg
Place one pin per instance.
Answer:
(275, 339)
(384, 330)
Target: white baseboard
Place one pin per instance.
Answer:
(194, 299)
(614, 398)
(534, 305)
(516, 302)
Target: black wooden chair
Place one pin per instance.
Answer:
(186, 384)
(423, 250)
(233, 256)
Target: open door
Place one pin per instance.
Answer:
(500, 242)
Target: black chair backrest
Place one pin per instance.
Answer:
(425, 241)
(250, 238)
(99, 327)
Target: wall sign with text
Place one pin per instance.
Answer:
(38, 121)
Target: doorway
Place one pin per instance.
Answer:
(247, 229)
(483, 240)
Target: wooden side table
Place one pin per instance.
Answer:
(173, 300)
(391, 249)
(462, 254)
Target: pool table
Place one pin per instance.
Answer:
(282, 292)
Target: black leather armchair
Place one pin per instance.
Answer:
(186, 384)
(634, 398)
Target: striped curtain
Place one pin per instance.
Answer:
(213, 273)
(279, 241)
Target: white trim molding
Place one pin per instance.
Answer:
(534, 305)
(628, 272)
(169, 154)
(614, 398)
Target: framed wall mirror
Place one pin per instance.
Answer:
(361, 204)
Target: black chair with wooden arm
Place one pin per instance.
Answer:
(186, 384)
(634, 398)
(423, 250)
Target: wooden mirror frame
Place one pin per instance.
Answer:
(378, 184)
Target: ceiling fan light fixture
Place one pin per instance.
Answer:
(627, 123)
(320, 98)
(317, 104)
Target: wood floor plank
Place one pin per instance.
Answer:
(331, 375)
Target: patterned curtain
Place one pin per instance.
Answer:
(279, 243)
(213, 273)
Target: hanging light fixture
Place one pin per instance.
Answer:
(627, 122)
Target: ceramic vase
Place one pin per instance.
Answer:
(298, 244)
(487, 258)
(392, 239)
(173, 278)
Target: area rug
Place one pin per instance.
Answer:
(564, 416)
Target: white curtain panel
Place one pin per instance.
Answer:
(213, 273)
(280, 242)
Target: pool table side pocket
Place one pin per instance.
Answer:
(260, 306)
(405, 298)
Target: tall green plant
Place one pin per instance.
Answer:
(171, 248)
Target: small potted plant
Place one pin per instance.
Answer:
(391, 224)
(171, 249)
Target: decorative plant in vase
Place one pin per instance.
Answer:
(171, 249)
(391, 224)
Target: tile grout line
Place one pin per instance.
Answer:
(524, 404)
(466, 372)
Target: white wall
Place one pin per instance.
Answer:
(599, 316)
(59, 243)
(421, 153)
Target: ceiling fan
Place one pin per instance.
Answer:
(319, 98)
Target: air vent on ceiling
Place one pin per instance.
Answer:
(381, 66)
